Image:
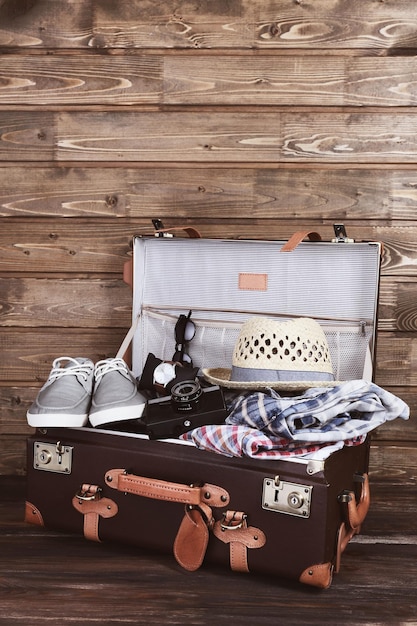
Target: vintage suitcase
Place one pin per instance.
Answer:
(291, 517)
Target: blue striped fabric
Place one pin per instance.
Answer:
(313, 425)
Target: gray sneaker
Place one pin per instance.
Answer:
(65, 398)
(116, 397)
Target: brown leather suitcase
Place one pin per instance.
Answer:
(289, 518)
(279, 518)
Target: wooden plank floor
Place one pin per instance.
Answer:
(49, 578)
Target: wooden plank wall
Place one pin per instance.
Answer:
(245, 118)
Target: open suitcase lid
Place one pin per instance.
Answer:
(225, 282)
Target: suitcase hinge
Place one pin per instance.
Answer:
(340, 234)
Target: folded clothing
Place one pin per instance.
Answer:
(238, 441)
(313, 425)
(343, 412)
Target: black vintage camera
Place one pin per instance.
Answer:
(190, 405)
(158, 377)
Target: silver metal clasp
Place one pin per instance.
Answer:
(284, 497)
(88, 492)
(160, 228)
(52, 457)
(233, 522)
(340, 234)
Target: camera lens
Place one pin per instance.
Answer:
(185, 395)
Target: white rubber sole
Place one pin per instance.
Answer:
(56, 420)
(116, 414)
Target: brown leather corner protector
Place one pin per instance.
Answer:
(33, 515)
(318, 575)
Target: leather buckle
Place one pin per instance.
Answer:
(88, 492)
(233, 523)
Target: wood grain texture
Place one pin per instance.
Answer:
(330, 24)
(304, 80)
(359, 137)
(61, 246)
(396, 359)
(26, 135)
(13, 453)
(274, 24)
(377, 197)
(244, 24)
(209, 137)
(27, 357)
(63, 302)
(259, 80)
(14, 402)
(46, 23)
(207, 24)
(396, 463)
(39, 80)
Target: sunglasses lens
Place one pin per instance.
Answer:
(182, 357)
(184, 329)
(189, 331)
(180, 329)
(187, 359)
(184, 332)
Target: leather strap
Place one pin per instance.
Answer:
(162, 490)
(89, 503)
(191, 542)
(233, 529)
(355, 512)
(192, 232)
(193, 534)
(344, 535)
(128, 272)
(298, 237)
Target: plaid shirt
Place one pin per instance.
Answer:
(244, 441)
(312, 425)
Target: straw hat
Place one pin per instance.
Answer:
(281, 355)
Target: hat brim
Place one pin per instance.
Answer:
(221, 376)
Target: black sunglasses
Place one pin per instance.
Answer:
(184, 333)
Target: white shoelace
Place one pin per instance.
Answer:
(109, 365)
(77, 369)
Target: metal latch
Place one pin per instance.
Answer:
(52, 457)
(281, 496)
(340, 234)
(160, 228)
